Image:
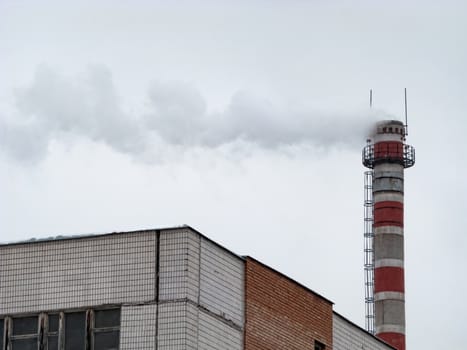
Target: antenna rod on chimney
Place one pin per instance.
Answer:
(406, 124)
(371, 98)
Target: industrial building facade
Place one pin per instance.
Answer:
(159, 289)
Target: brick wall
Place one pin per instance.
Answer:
(282, 314)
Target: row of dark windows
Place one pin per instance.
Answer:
(396, 130)
(79, 330)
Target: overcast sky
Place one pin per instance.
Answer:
(246, 121)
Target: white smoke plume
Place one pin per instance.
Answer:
(56, 107)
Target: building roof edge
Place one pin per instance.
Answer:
(362, 329)
(98, 235)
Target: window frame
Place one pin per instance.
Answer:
(53, 333)
(94, 329)
(2, 333)
(319, 346)
(12, 337)
(43, 331)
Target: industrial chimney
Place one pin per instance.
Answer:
(387, 155)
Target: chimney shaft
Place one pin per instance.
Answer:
(388, 156)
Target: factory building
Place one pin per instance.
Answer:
(159, 289)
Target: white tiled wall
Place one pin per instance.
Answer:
(73, 273)
(222, 276)
(200, 292)
(194, 268)
(216, 335)
(183, 325)
(138, 327)
(179, 265)
(347, 336)
(173, 331)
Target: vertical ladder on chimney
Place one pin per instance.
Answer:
(369, 262)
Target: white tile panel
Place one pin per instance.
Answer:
(74, 273)
(347, 336)
(182, 325)
(175, 332)
(221, 279)
(138, 327)
(214, 334)
(179, 265)
(194, 268)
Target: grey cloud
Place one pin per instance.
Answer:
(88, 105)
(54, 106)
(26, 143)
(177, 113)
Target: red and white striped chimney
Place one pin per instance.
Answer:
(388, 156)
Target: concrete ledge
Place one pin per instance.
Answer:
(389, 295)
(392, 174)
(389, 262)
(388, 184)
(395, 230)
(388, 196)
(390, 328)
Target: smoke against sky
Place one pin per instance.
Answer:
(57, 107)
(88, 105)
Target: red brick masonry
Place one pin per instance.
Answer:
(282, 314)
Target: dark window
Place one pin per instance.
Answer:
(53, 323)
(75, 331)
(91, 329)
(1, 334)
(25, 325)
(106, 340)
(319, 345)
(52, 342)
(106, 329)
(53, 331)
(25, 333)
(107, 318)
(24, 344)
